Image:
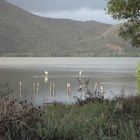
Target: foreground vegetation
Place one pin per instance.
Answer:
(130, 12)
(93, 119)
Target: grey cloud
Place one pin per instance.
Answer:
(70, 9)
(82, 14)
(59, 5)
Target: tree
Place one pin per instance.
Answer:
(129, 11)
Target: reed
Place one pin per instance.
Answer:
(50, 88)
(116, 119)
(20, 90)
(69, 91)
(34, 87)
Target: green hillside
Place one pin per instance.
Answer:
(24, 34)
(112, 45)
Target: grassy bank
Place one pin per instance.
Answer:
(105, 120)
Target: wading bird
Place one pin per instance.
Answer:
(46, 76)
(46, 72)
(80, 72)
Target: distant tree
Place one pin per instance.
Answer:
(129, 11)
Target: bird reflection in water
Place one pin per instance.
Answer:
(45, 79)
(45, 76)
(37, 88)
(52, 90)
(37, 84)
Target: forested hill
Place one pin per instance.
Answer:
(24, 34)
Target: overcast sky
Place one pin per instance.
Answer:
(69, 9)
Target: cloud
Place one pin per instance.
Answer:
(82, 10)
(59, 5)
(82, 14)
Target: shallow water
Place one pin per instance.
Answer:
(25, 77)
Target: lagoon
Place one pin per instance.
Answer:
(24, 78)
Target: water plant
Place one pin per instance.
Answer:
(116, 119)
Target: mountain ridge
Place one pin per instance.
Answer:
(25, 34)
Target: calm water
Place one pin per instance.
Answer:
(25, 77)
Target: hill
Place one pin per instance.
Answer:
(24, 34)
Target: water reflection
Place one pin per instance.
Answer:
(69, 91)
(46, 79)
(34, 88)
(36, 84)
(59, 83)
(45, 76)
(52, 90)
(37, 88)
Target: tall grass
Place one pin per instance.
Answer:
(101, 120)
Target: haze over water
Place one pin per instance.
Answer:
(116, 74)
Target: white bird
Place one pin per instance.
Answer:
(46, 72)
(80, 72)
(46, 76)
